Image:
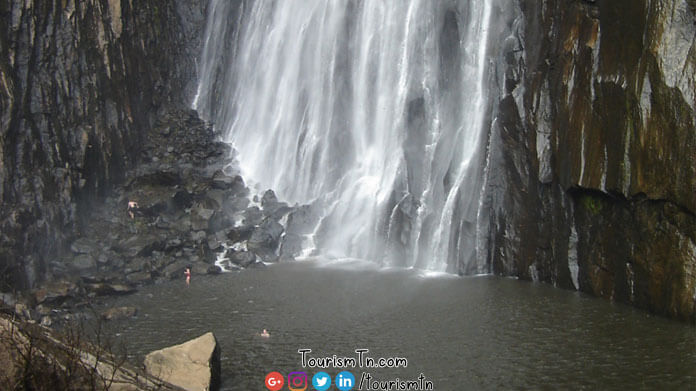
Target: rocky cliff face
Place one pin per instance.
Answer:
(80, 82)
(592, 180)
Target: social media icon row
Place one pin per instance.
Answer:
(321, 381)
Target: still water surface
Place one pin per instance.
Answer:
(460, 333)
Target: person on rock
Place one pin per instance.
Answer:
(132, 208)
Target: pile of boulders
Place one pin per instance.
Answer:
(184, 206)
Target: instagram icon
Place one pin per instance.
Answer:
(297, 381)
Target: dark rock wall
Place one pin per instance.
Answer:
(80, 82)
(592, 175)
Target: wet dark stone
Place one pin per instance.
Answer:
(139, 277)
(175, 270)
(252, 216)
(291, 245)
(104, 289)
(160, 178)
(239, 234)
(241, 258)
(55, 293)
(302, 220)
(183, 199)
(83, 262)
(266, 236)
(83, 246)
(143, 245)
(118, 313)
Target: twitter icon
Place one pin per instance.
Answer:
(321, 381)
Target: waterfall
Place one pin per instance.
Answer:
(373, 111)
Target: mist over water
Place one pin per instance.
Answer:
(372, 111)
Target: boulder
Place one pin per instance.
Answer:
(56, 293)
(83, 262)
(291, 245)
(139, 277)
(269, 199)
(138, 264)
(238, 234)
(119, 313)
(111, 260)
(215, 241)
(223, 181)
(252, 216)
(214, 198)
(235, 203)
(198, 236)
(183, 224)
(302, 220)
(182, 199)
(193, 365)
(265, 239)
(83, 246)
(272, 208)
(154, 209)
(200, 217)
(221, 220)
(202, 268)
(266, 235)
(173, 244)
(143, 245)
(105, 289)
(8, 299)
(257, 265)
(278, 213)
(234, 184)
(241, 258)
(214, 269)
(168, 178)
(175, 270)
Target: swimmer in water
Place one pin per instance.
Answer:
(187, 273)
(264, 334)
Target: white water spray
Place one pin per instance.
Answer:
(372, 110)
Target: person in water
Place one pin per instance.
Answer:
(187, 273)
(264, 334)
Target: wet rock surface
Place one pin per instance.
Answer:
(592, 175)
(80, 84)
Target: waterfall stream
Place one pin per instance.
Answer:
(372, 111)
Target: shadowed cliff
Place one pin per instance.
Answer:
(80, 83)
(593, 176)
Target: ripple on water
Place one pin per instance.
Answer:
(482, 333)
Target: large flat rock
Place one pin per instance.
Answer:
(193, 365)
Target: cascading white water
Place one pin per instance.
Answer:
(374, 110)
